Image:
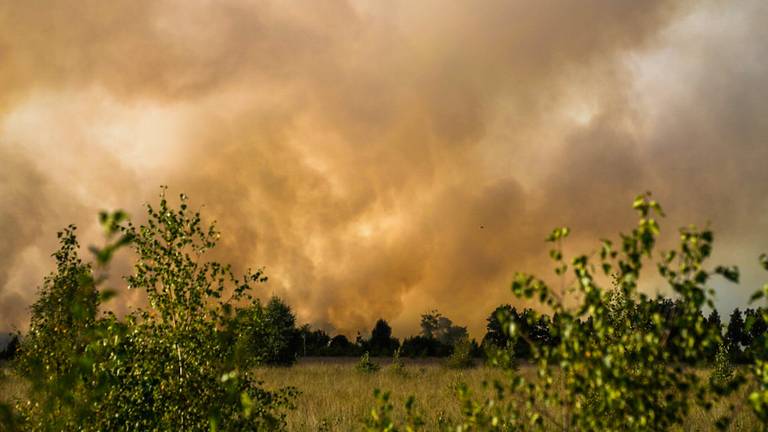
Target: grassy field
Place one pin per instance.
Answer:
(335, 397)
(11, 387)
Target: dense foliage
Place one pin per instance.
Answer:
(163, 367)
(462, 355)
(607, 356)
(365, 365)
(611, 358)
(264, 334)
(759, 398)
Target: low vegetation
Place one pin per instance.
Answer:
(594, 353)
(366, 365)
(175, 365)
(334, 397)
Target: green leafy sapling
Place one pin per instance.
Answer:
(382, 416)
(398, 365)
(612, 362)
(138, 372)
(366, 365)
(759, 398)
(57, 353)
(461, 357)
(722, 371)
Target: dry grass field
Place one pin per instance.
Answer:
(11, 387)
(335, 397)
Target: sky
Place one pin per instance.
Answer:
(383, 159)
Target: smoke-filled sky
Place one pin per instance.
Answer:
(382, 159)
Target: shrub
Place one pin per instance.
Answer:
(280, 320)
(64, 311)
(167, 367)
(759, 398)
(461, 357)
(365, 365)
(264, 335)
(501, 357)
(62, 326)
(398, 366)
(610, 361)
(722, 370)
(617, 372)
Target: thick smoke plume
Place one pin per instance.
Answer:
(381, 159)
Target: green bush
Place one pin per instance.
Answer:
(398, 366)
(610, 361)
(759, 398)
(365, 365)
(264, 335)
(613, 362)
(722, 371)
(461, 357)
(504, 358)
(166, 367)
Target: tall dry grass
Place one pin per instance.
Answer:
(11, 386)
(335, 397)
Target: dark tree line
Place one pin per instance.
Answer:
(743, 336)
(267, 334)
(10, 350)
(438, 337)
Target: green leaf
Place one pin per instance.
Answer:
(731, 273)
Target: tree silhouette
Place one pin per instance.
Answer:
(436, 326)
(313, 342)
(755, 329)
(280, 318)
(715, 326)
(735, 335)
(10, 350)
(341, 346)
(382, 343)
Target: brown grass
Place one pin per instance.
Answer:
(11, 386)
(335, 397)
